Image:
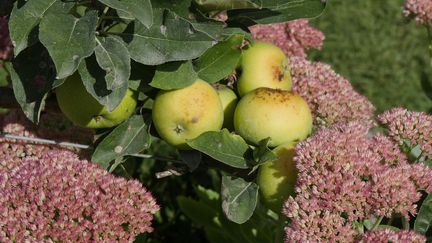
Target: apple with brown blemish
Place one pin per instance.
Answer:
(280, 115)
(183, 114)
(263, 64)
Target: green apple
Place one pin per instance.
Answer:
(263, 65)
(277, 178)
(283, 116)
(85, 111)
(229, 101)
(182, 114)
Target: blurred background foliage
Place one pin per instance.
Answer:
(383, 54)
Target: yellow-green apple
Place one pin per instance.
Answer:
(279, 114)
(277, 178)
(229, 101)
(85, 111)
(263, 64)
(182, 114)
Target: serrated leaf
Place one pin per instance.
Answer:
(174, 75)
(128, 138)
(24, 20)
(239, 198)
(191, 158)
(169, 39)
(68, 39)
(94, 81)
(276, 11)
(424, 217)
(32, 75)
(113, 57)
(140, 9)
(228, 148)
(219, 61)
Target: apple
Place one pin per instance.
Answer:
(277, 178)
(85, 111)
(182, 114)
(229, 101)
(263, 64)
(283, 116)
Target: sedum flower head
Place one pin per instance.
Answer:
(387, 235)
(49, 194)
(331, 97)
(5, 42)
(346, 175)
(294, 37)
(60, 198)
(409, 128)
(421, 10)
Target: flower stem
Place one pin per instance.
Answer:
(377, 223)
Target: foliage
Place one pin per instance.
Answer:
(378, 50)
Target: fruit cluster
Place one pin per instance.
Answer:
(267, 109)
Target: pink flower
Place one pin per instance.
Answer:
(330, 96)
(346, 175)
(294, 37)
(5, 42)
(387, 235)
(60, 198)
(52, 126)
(421, 10)
(410, 129)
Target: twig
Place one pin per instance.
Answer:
(63, 144)
(170, 172)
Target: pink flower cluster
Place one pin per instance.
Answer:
(49, 194)
(60, 198)
(347, 175)
(409, 128)
(52, 126)
(421, 10)
(294, 37)
(330, 96)
(5, 42)
(387, 235)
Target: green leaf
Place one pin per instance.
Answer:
(220, 5)
(68, 39)
(276, 11)
(180, 7)
(370, 222)
(424, 216)
(262, 153)
(32, 75)
(128, 138)
(191, 158)
(229, 31)
(239, 198)
(24, 20)
(113, 56)
(219, 61)
(139, 9)
(174, 75)
(169, 39)
(94, 81)
(228, 148)
(199, 212)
